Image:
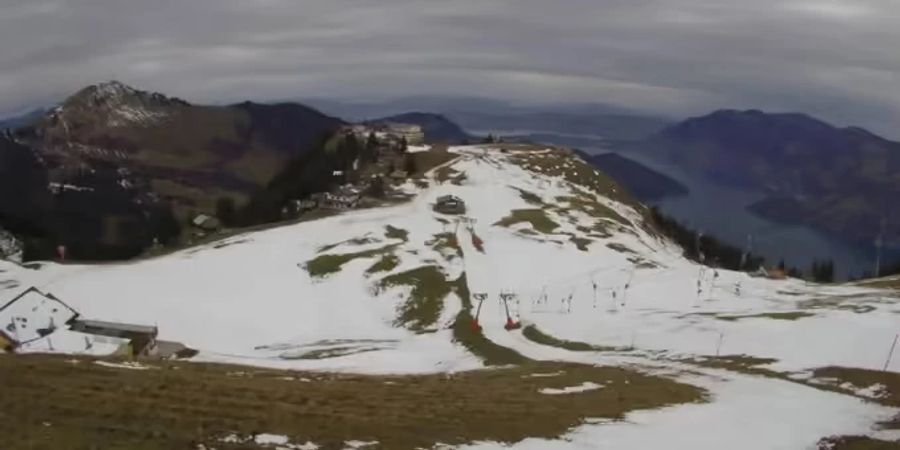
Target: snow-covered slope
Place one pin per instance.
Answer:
(377, 291)
(566, 251)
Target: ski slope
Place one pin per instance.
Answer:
(584, 268)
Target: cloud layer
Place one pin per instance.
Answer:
(838, 59)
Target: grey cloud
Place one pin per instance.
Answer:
(833, 58)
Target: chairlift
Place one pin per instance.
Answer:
(480, 297)
(511, 324)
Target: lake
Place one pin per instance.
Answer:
(722, 211)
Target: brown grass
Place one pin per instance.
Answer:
(563, 163)
(742, 364)
(332, 352)
(892, 282)
(536, 217)
(532, 333)
(435, 157)
(593, 208)
(179, 405)
(822, 378)
(620, 248)
(448, 173)
(854, 303)
(857, 443)
(581, 243)
(789, 315)
(863, 378)
(429, 287)
(386, 263)
(328, 264)
(392, 232)
(445, 241)
(530, 197)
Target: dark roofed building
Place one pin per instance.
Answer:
(450, 204)
(142, 338)
(112, 329)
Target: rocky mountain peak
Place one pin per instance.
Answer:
(117, 104)
(112, 89)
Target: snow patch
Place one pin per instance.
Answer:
(417, 148)
(877, 390)
(543, 375)
(359, 444)
(583, 387)
(271, 439)
(874, 391)
(130, 365)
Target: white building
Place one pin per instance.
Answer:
(31, 316)
(413, 134)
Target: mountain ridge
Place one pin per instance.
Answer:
(645, 183)
(839, 180)
(129, 155)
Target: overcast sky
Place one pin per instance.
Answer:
(838, 59)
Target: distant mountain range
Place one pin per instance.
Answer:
(841, 180)
(112, 164)
(482, 116)
(22, 120)
(608, 127)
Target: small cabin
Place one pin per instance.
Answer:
(142, 338)
(206, 222)
(450, 204)
(412, 133)
(345, 197)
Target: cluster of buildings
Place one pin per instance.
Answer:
(388, 168)
(412, 134)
